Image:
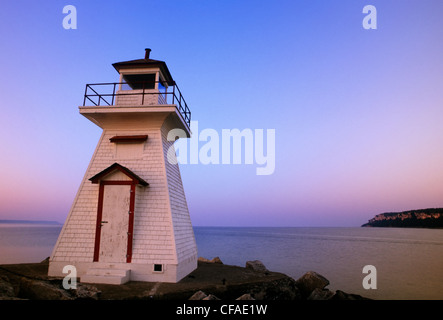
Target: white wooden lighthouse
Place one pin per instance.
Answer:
(130, 219)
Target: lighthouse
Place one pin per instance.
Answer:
(129, 220)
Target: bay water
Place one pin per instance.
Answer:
(408, 262)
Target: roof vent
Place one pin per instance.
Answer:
(147, 52)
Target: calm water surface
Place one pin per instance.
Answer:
(409, 262)
(26, 243)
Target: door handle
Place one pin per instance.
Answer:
(102, 222)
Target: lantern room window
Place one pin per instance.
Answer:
(139, 81)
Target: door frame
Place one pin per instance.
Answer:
(100, 214)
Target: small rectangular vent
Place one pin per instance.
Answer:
(158, 268)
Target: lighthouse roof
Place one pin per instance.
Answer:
(144, 63)
(115, 167)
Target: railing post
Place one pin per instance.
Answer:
(86, 92)
(189, 115)
(113, 94)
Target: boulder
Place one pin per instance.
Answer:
(41, 290)
(211, 297)
(341, 295)
(85, 291)
(278, 289)
(214, 260)
(199, 295)
(321, 294)
(309, 282)
(6, 288)
(256, 265)
(245, 296)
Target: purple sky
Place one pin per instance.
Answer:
(357, 113)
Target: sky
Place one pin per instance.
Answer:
(357, 112)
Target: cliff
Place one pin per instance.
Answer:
(422, 218)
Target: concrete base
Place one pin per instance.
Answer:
(95, 272)
(106, 276)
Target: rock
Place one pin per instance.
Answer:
(30, 281)
(309, 282)
(199, 295)
(37, 289)
(256, 265)
(41, 290)
(214, 260)
(321, 294)
(245, 296)
(11, 298)
(6, 288)
(341, 295)
(279, 289)
(46, 261)
(85, 291)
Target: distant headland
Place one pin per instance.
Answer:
(30, 222)
(421, 218)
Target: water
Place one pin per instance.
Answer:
(409, 262)
(26, 243)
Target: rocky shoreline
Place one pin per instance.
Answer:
(212, 280)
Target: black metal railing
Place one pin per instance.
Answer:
(107, 94)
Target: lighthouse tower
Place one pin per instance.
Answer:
(130, 219)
